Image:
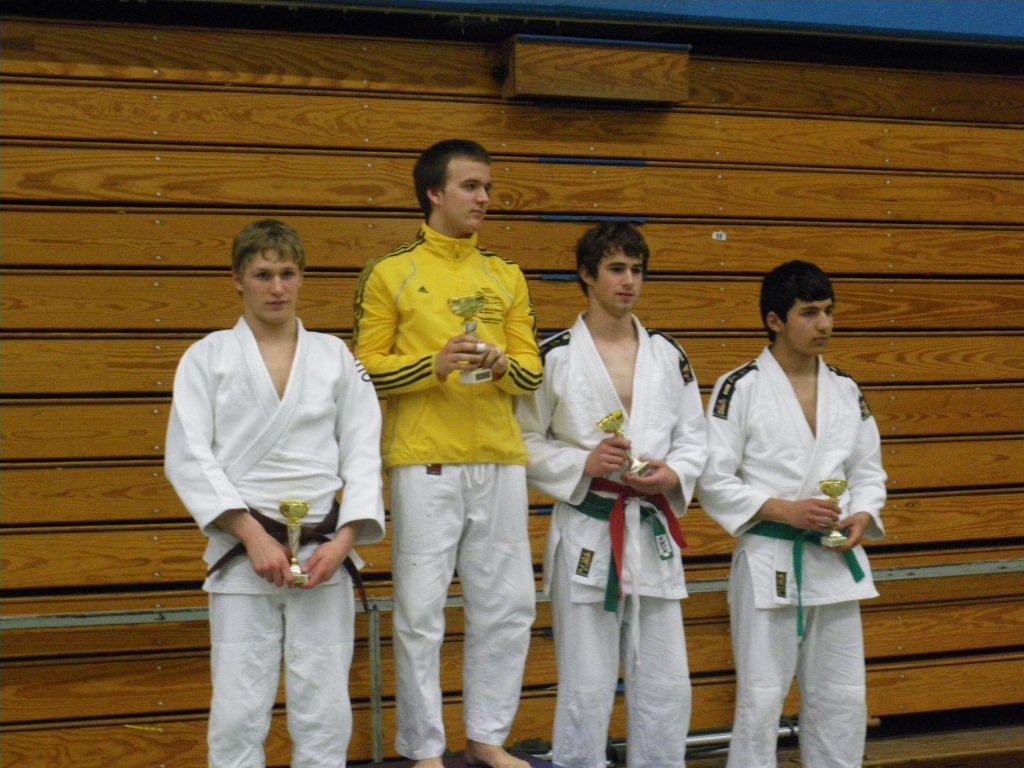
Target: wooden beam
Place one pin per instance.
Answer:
(161, 176)
(375, 124)
(71, 300)
(83, 51)
(586, 69)
(173, 239)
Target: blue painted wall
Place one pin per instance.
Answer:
(979, 21)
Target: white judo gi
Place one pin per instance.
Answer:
(761, 446)
(232, 443)
(559, 426)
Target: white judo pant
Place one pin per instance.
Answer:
(313, 630)
(828, 663)
(471, 518)
(590, 643)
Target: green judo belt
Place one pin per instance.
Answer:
(774, 530)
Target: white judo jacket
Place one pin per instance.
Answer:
(559, 424)
(232, 443)
(760, 446)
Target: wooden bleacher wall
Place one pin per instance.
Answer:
(132, 156)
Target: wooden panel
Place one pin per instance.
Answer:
(81, 366)
(549, 67)
(173, 239)
(948, 410)
(929, 358)
(83, 431)
(995, 746)
(72, 301)
(40, 692)
(153, 741)
(143, 743)
(945, 685)
(145, 365)
(85, 51)
(164, 555)
(985, 625)
(153, 555)
(309, 179)
(111, 640)
(868, 92)
(81, 493)
(132, 493)
(686, 304)
(921, 465)
(905, 631)
(925, 519)
(373, 124)
(156, 555)
(179, 677)
(80, 431)
(265, 59)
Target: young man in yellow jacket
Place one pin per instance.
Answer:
(454, 452)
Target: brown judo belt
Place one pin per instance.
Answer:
(308, 533)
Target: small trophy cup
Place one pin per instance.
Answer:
(612, 423)
(466, 307)
(833, 489)
(295, 511)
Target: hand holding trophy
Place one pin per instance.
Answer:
(833, 489)
(295, 511)
(612, 424)
(467, 307)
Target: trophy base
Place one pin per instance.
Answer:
(640, 468)
(478, 376)
(298, 577)
(834, 539)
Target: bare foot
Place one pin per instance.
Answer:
(430, 762)
(494, 756)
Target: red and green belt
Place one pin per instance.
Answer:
(614, 512)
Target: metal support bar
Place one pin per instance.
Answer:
(386, 605)
(376, 698)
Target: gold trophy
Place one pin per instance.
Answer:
(833, 489)
(612, 424)
(466, 307)
(295, 511)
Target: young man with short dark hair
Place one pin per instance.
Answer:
(613, 562)
(777, 428)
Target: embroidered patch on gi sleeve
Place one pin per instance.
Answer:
(780, 583)
(721, 409)
(560, 339)
(584, 563)
(685, 369)
(865, 409)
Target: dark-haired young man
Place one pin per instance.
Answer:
(613, 564)
(455, 454)
(777, 427)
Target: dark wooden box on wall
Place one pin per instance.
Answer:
(535, 66)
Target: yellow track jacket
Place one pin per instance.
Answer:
(402, 321)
